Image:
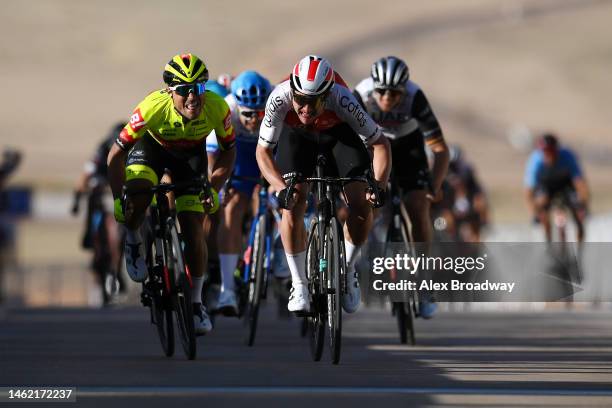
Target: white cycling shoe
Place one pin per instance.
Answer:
(134, 257)
(299, 299)
(352, 298)
(201, 321)
(227, 304)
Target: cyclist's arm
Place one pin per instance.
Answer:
(268, 167)
(116, 169)
(277, 106)
(226, 139)
(440, 164)
(381, 161)
(432, 133)
(530, 199)
(530, 178)
(582, 190)
(578, 180)
(222, 168)
(345, 105)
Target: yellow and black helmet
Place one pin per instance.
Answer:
(185, 69)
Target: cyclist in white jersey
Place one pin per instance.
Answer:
(314, 112)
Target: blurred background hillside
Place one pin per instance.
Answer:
(495, 72)
(491, 68)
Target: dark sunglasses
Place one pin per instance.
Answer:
(303, 100)
(253, 114)
(392, 92)
(198, 88)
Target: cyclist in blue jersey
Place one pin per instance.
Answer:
(551, 171)
(247, 100)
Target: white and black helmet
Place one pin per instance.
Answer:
(312, 75)
(389, 73)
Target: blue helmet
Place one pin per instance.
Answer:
(251, 90)
(217, 88)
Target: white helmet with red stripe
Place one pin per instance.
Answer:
(313, 75)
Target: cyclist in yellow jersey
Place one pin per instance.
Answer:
(167, 134)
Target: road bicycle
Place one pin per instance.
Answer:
(167, 290)
(257, 260)
(406, 310)
(326, 259)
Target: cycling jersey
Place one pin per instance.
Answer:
(97, 166)
(409, 125)
(466, 175)
(555, 177)
(411, 117)
(157, 117)
(340, 107)
(246, 144)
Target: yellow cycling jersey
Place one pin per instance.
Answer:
(157, 116)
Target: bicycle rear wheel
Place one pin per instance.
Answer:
(256, 280)
(334, 270)
(316, 320)
(181, 295)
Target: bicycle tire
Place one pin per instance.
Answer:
(399, 312)
(333, 273)
(407, 308)
(165, 325)
(316, 321)
(161, 308)
(256, 283)
(181, 294)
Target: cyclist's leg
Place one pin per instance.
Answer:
(542, 209)
(230, 243)
(142, 171)
(296, 154)
(352, 159)
(190, 213)
(113, 243)
(413, 177)
(578, 214)
(418, 205)
(230, 228)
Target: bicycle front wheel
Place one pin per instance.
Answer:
(181, 295)
(335, 267)
(316, 320)
(405, 311)
(160, 300)
(256, 280)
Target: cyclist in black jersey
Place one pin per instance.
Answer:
(400, 108)
(93, 181)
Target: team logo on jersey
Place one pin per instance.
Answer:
(273, 105)
(137, 122)
(227, 121)
(353, 108)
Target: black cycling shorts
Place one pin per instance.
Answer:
(148, 160)
(344, 150)
(410, 167)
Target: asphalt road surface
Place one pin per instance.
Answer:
(113, 357)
